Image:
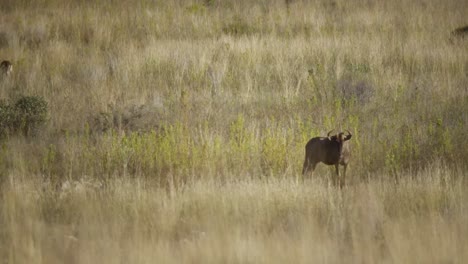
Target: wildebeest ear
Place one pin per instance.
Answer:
(348, 137)
(333, 138)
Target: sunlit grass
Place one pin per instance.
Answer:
(423, 218)
(176, 131)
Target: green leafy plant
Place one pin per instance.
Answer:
(237, 27)
(31, 113)
(6, 118)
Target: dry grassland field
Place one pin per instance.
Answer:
(174, 131)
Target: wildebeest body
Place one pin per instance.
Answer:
(330, 150)
(329, 157)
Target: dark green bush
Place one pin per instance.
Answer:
(238, 27)
(31, 113)
(7, 118)
(26, 116)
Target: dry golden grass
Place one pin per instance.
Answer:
(177, 129)
(421, 219)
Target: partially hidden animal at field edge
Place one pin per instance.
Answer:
(6, 67)
(459, 33)
(330, 150)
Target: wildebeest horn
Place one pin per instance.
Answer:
(349, 133)
(328, 134)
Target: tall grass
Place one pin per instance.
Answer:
(176, 131)
(422, 219)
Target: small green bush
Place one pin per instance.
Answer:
(31, 113)
(6, 118)
(237, 27)
(25, 116)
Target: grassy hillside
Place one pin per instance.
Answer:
(176, 131)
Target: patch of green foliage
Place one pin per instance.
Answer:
(6, 118)
(25, 116)
(238, 27)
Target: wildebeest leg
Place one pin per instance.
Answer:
(308, 167)
(305, 168)
(342, 183)
(336, 179)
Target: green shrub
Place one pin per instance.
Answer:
(25, 116)
(274, 153)
(6, 118)
(237, 27)
(31, 113)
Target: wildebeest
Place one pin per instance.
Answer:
(459, 33)
(331, 150)
(6, 67)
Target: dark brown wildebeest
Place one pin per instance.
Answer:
(459, 34)
(331, 150)
(6, 67)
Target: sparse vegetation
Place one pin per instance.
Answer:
(176, 129)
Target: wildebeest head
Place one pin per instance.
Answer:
(340, 137)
